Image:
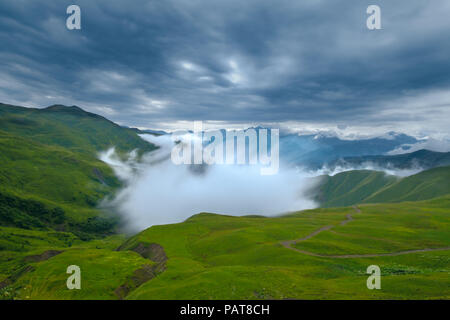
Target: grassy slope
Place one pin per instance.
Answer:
(53, 173)
(424, 185)
(347, 188)
(103, 269)
(49, 162)
(364, 186)
(51, 179)
(71, 128)
(222, 257)
(48, 158)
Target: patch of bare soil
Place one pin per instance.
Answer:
(16, 275)
(43, 256)
(98, 174)
(27, 268)
(139, 277)
(153, 252)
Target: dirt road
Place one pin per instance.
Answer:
(289, 244)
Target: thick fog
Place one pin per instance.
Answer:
(160, 192)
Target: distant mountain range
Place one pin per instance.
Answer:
(314, 151)
(52, 182)
(423, 159)
(50, 163)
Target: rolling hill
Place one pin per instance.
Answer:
(71, 128)
(313, 254)
(365, 186)
(50, 175)
(51, 184)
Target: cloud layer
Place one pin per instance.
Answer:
(303, 63)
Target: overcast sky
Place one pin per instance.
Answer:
(301, 64)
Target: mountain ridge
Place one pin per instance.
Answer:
(423, 158)
(70, 127)
(50, 162)
(368, 186)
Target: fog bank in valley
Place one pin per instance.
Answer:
(160, 192)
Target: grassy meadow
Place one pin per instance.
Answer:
(211, 256)
(52, 182)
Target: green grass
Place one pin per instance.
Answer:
(424, 185)
(102, 272)
(223, 257)
(365, 186)
(103, 268)
(51, 183)
(50, 187)
(71, 128)
(50, 174)
(387, 228)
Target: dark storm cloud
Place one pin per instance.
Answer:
(148, 62)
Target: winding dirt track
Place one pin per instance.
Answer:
(289, 244)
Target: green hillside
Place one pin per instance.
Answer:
(365, 186)
(71, 128)
(350, 187)
(424, 185)
(51, 185)
(313, 254)
(50, 176)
